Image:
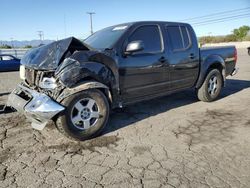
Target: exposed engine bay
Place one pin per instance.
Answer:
(52, 68)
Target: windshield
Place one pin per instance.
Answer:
(106, 38)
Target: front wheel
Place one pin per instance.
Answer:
(211, 87)
(85, 116)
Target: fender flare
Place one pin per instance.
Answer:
(81, 87)
(210, 61)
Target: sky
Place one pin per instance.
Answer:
(21, 19)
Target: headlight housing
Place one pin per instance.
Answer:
(22, 72)
(48, 83)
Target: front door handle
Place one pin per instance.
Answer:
(162, 59)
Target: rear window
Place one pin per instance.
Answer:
(179, 37)
(7, 58)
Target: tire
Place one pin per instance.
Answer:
(85, 116)
(249, 52)
(211, 87)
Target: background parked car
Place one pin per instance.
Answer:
(9, 63)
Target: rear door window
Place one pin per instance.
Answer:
(175, 37)
(185, 35)
(179, 37)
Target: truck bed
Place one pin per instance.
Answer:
(227, 53)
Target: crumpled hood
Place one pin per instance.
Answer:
(48, 57)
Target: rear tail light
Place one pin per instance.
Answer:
(235, 55)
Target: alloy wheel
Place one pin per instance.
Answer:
(85, 113)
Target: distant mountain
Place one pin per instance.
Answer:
(24, 43)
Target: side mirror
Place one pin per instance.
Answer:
(134, 46)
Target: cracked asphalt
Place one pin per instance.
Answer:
(173, 141)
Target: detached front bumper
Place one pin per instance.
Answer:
(37, 107)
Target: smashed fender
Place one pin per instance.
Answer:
(48, 57)
(88, 64)
(84, 85)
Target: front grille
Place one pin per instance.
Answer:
(30, 76)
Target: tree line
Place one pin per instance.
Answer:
(5, 46)
(239, 34)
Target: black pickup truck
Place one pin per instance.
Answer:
(76, 83)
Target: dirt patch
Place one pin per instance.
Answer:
(12, 120)
(3, 172)
(5, 155)
(139, 150)
(208, 127)
(247, 124)
(91, 145)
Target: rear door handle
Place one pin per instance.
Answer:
(191, 56)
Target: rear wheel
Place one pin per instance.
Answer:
(85, 116)
(211, 86)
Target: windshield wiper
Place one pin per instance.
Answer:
(106, 49)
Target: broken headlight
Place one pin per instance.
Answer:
(22, 72)
(48, 83)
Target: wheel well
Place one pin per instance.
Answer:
(220, 68)
(216, 66)
(105, 91)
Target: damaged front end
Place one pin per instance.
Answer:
(39, 108)
(55, 71)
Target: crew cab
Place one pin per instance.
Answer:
(76, 84)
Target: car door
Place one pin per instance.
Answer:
(183, 56)
(9, 63)
(144, 73)
(15, 64)
(5, 64)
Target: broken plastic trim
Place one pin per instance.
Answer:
(2, 109)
